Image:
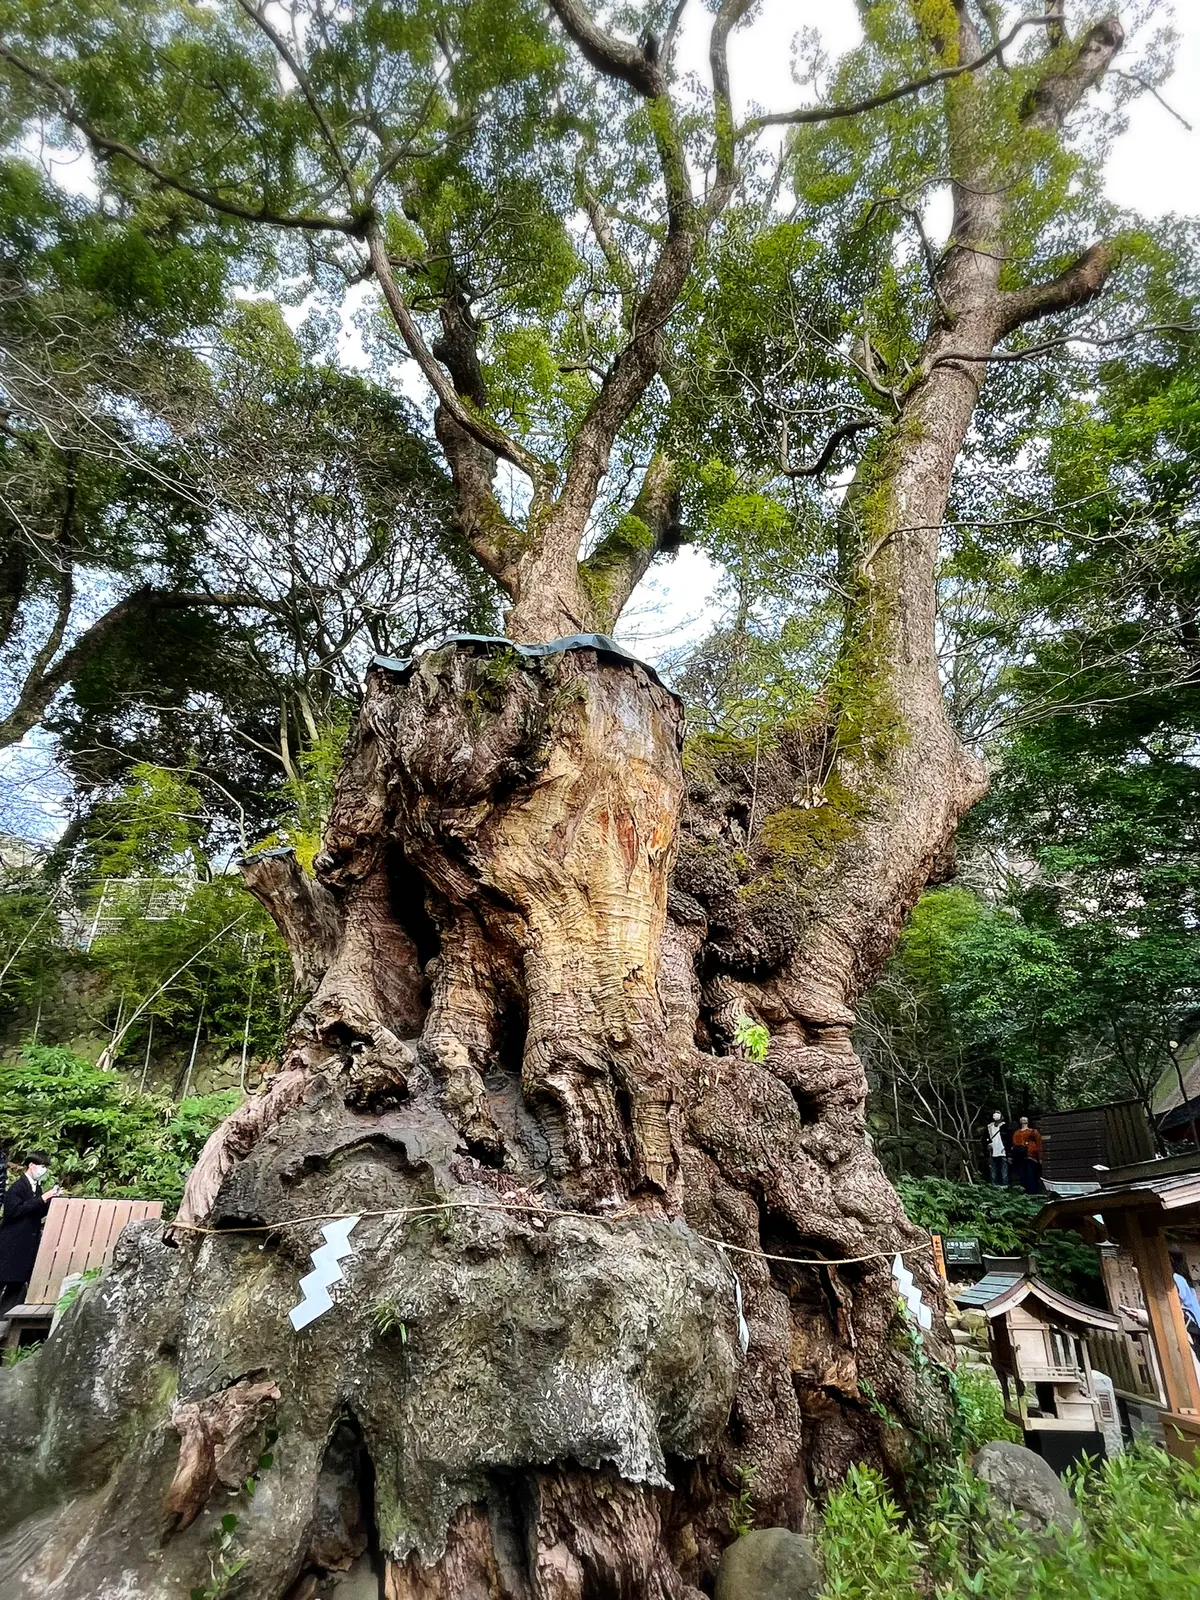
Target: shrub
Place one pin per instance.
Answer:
(1139, 1539)
(979, 1410)
(102, 1136)
(868, 1551)
(1005, 1223)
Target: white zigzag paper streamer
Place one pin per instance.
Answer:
(315, 1285)
(911, 1295)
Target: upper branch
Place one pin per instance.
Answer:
(634, 366)
(887, 96)
(1058, 92)
(726, 19)
(616, 58)
(618, 563)
(480, 428)
(847, 430)
(619, 263)
(1080, 282)
(289, 58)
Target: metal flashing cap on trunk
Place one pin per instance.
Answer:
(601, 643)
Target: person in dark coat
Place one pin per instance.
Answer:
(24, 1211)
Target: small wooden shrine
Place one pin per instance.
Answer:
(1038, 1341)
(1145, 1209)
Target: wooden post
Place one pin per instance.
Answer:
(1167, 1327)
(939, 1258)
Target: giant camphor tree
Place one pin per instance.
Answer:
(575, 1041)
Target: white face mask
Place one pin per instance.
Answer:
(38, 1173)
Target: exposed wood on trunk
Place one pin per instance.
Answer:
(539, 803)
(215, 1435)
(589, 1534)
(304, 911)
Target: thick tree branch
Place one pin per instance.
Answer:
(815, 114)
(616, 58)
(1059, 92)
(107, 149)
(727, 18)
(486, 529)
(303, 910)
(1075, 286)
(619, 562)
(636, 365)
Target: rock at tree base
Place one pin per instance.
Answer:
(769, 1564)
(1021, 1482)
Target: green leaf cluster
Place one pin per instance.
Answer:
(102, 1136)
(1005, 1223)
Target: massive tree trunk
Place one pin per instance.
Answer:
(616, 1281)
(542, 1375)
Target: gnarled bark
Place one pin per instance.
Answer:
(560, 1376)
(608, 1270)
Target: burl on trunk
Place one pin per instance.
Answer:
(579, 1314)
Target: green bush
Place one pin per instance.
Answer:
(1139, 1539)
(979, 1409)
(102, 1136)
(1005, 1223)
(868, 1551)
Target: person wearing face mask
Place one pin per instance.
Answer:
(25, 1208)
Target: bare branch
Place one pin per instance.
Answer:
(813, 114)
(845, 431)
(1044, 345)
(672, 33)
(1144, 83)
(618, 262)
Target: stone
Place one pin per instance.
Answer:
(769, 1564)
(1110, 1416)
(1021, 1482)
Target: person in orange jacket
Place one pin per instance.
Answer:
(1027, 1156)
